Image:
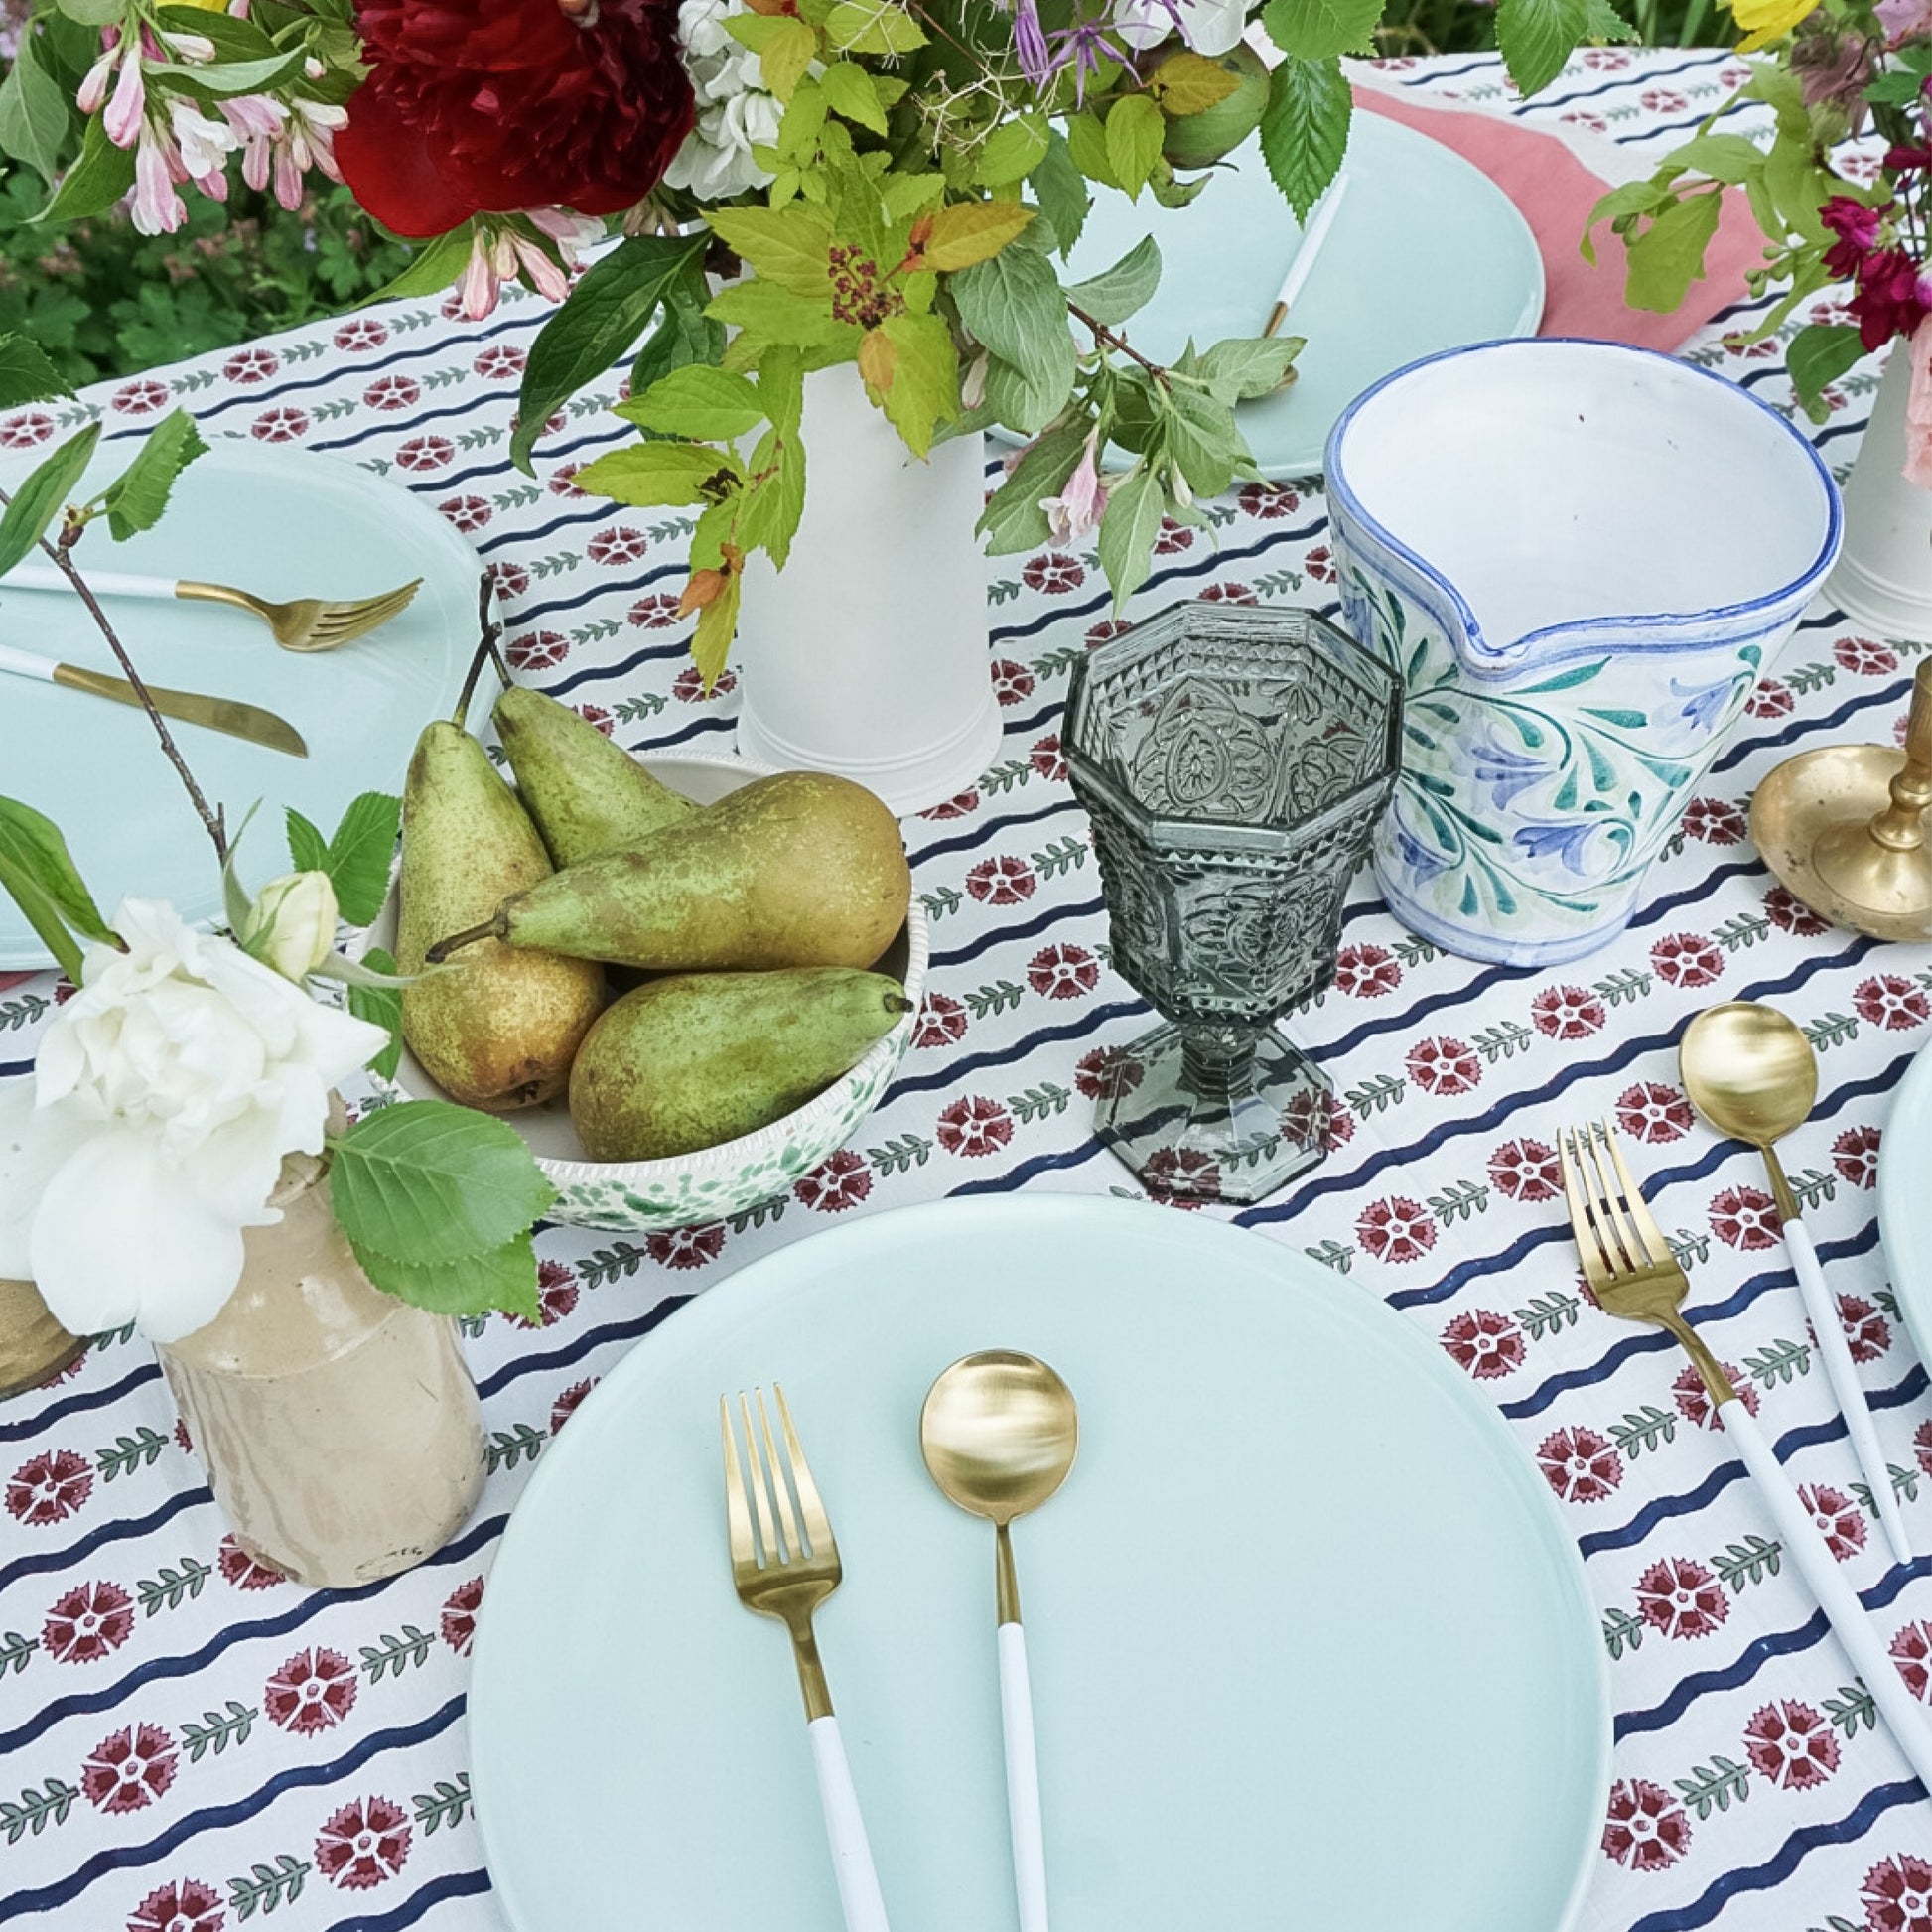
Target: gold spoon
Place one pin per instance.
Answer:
(1751, 1073)
(999, 1432)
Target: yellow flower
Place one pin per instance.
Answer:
(1768, 20)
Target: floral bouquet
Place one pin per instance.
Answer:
(1843, 68)
(797, 183)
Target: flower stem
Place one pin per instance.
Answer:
(491, 630)
(1105, 338)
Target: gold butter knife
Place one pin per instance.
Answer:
(229, 715)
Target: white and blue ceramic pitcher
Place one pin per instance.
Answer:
(1580, 556)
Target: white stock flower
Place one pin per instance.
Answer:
(736, 113)
(167, 1092)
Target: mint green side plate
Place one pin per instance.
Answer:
(1904, 1210)
(1309, 1644)
(283, 523)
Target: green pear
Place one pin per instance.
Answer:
(697, 1059)
(585, 793)
(498, 1030)
(801, 869)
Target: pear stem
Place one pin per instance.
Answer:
(497, 926)
(491, 630)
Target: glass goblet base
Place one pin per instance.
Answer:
(1214, 1113)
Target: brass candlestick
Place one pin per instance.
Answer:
(1843, 828)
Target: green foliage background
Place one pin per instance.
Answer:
(103, 300)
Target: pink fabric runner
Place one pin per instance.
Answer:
(1556, 192)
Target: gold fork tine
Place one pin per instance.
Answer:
(818, 1526)
(787, 1522)
(766, 1534)
(1589, 1243)
(1621, 1242)
(738, 1517)
(1656, 1248)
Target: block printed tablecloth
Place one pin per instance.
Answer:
(190, 1744)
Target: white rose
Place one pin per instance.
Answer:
(167, 1092)
(1209, 26)
(291, 928)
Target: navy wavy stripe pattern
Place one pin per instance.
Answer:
(1030, 995)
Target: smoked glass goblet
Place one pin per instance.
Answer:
(1235, 761)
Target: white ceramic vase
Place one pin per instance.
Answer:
(867, 654)
(1884, 579)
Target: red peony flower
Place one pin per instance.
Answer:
(505, 104)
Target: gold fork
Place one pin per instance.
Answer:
(306, 623)
(780, 1574)
(1634, 1274)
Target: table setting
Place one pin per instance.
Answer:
(1335, 1057)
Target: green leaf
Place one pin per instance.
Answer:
(381, 1005)
(1086, 146)
(1135, 129)
(791, 245)
(653, 474)
(430, 1182)
(684, 333)
(1669, 255)
(974, 232)
(224, 80)
(1319, 30)
(34, 114)
(435, 266)
(98, 179)
(921, 387)
(1537, 37)
(698, 403)
(1630, 199)
(1723, 157)
(608, 309)
(773, 504)
(1187, 84)
(711, 639)
(235, 39)
(40, 911)
(135, 499)
(849, 90)
(1304, 128)
(773, 314)
(308, 848)
(1819, 353)
(94, 12)
(1127, 527)
(38, 872)
(1246, 367)
(781, 389)
(786, 46)
(1012, 151)
(1013, 520)
(873, 27)
(1061, 194)
(42, 497)
(1014, 305)
(1123, 290)
(25, 376)
(361, 853)
(505, 1277)
(1202, 439)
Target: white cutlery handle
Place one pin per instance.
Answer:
(103, 582)
(24, 663)
(1904, 1715)
(1822, 1306)
(864, 1909)
(1023, 1779)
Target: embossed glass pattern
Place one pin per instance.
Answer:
(1235, 762)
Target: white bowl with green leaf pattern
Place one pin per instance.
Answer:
(717, 1182)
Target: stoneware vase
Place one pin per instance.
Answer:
(338, 1427)
(1884, 579)
(1580, 557)
(33, 1346)
(867, 654)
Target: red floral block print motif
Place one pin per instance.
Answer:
(686, 1247)
(1228, 594)
(362, 334)
(1855, 1154)
(1054, 574)
(1867, 1332)
(1048, 759)
(1653, 1113)
(1771, 699)
(141, 397)
(499, 362)
(1005, 881)
(974, 1126)
(313, 1691)
(1791, 1744)
(1897, 1894)
(1172, 537)
(1443, 1066)
(243, 1571)
(1663, 101)
(556, 1297)
(1865, 659)
(1526, 1170)
(619, 544)
(88, 1622)
(363, 1844)
(458, 1626)
(49, 1488)
(941, 1022)
(1681, 1597)
(595, 714)
(511, 580)
(1106, 629)
(1396, 1229)
(1268, 503)
(1566, 1013)
(563, 480)
(566, 1405)
(283, 425)
(251, 366)
(1307, 1115)
(1319, 564)
(1891, 1001)
(1064, 972)
(1647, 1828)
(1838, 1518)
(1686, 959)
(389, 393)
(962, 804)
(1012, 683)
(841, 1181)
(1111, 1073)
(426, 453)
(657, 612)
(1911, 1651)
(538, 650)
(1746, 1217)
(1366, 972)
(465, 514)
(1181, 1176)
(1580, 1465)
(1484, 1343)
(187, 1905)
(129, 1770)
(1694, 1402)
(1715, 821)
(688, 686)
(27, 430)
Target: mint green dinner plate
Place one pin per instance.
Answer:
(1309, 1644)
(1905, 1208)
(280, 522)
(1427, 253)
